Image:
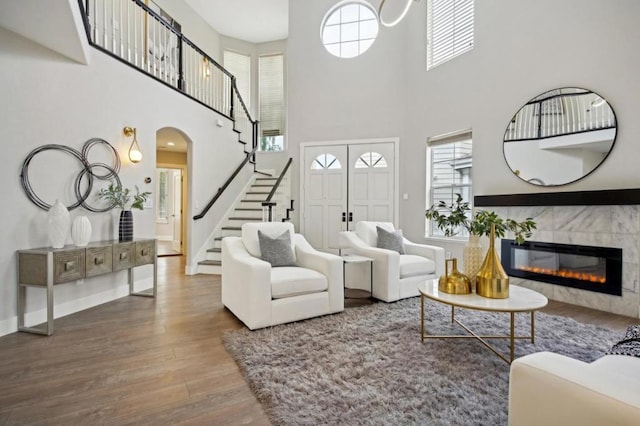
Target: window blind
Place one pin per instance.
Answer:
(449, 30)
(271, 70)
(239, 65)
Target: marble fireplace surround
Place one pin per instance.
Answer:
(608, 218)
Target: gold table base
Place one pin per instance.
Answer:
(512, 337)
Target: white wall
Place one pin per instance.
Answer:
(330, 98)
(48, 98)
(522, 48)
(194, 27)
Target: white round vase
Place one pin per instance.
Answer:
(59, 221)
(81, 231)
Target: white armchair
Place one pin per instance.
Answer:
(395, 276)
(261, 295)
(555, 390)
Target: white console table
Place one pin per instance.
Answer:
(47, 267)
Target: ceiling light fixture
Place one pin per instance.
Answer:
(402, 15)
(171, 144)
(135, 155)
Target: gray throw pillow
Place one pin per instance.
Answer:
(277, 251)
(390, 240)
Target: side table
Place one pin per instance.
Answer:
(353, 293)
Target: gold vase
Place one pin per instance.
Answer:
(454, 282)
(472, 257)
(492, 281)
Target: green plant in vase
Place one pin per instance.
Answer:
(119, 197)
(451, 218)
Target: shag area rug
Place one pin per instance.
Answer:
(367, 365)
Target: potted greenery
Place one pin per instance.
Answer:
(450, 218)
(119, 197)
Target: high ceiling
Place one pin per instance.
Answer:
(256, 21)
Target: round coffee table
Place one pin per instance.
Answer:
(520, 300)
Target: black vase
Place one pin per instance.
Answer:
(125, 230)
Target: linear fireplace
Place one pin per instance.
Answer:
(589, 268)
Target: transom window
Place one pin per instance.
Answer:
(349, 29)
(449, 30)
(325, 161)
(371, 159)
(449, 165)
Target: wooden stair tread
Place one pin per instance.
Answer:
(248, 209)
(214, 250)
(231, 228)
(210, 262)
(245, 218)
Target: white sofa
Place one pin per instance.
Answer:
(262, 296)
(550, 389)
(395, 276)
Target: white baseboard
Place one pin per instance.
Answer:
(10, 325)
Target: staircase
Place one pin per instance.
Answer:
(247, 209)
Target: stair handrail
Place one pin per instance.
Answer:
(268, 203)
(226, 184)
(84, 9)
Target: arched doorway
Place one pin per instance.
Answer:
(172, 154)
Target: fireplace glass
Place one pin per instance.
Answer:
(590, 268)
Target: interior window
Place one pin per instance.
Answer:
(239, 65)
(449, 165)
(449, 30)
(271, 81)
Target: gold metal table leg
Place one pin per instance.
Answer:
(533, 329)
(512, 337)
(421, 317)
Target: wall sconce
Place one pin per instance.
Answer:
(206, 71)
(135, 155)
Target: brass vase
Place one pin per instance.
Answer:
(454, 282)
(492, 281)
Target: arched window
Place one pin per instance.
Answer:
(371, 159)
(325, 161)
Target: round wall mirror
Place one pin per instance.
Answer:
(560, 136)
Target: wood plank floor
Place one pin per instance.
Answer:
(144, 361)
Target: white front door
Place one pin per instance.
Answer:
(371, 183)
(344, 184)
(325, 183)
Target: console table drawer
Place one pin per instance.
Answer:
(123, 256)
(145, 252)
(99, 260)
(68, 265)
